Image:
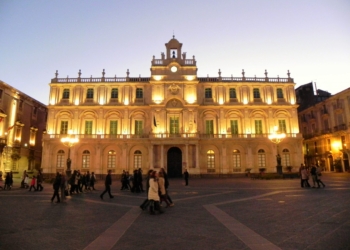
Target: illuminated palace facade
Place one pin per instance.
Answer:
(22, 124)
(172, 119)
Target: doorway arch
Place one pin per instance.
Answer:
(174, 162)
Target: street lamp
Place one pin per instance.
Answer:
(69, 142)
(276, 137)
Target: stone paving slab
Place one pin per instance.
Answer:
(224, 213)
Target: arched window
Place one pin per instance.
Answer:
(261, 159)
(285, 158)
(137, 159)
(211, 161)
(111, 162)
(236, 160)
(60, 159)
(86, 159)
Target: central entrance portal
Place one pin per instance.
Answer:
(174, 162)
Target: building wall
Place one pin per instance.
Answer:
(185, 120)
(326, 129)
(23, 122)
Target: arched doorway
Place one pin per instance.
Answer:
(174, 162)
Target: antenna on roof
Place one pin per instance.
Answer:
(173, 34)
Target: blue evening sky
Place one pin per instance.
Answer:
(311, 38)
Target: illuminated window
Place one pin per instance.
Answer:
(261, 159)
(139, 93)
(138, 127)
(282, 126)
(209, 127)
(210, 159)
(256, 93)
(208, 93)
(285, 158)
(90, 94)
(279, 93)
(234, 127)
(86, 159)
(60, 159)
(111, 162)
(65, 94)
(88, 127)
(236, 160)
(113, 127)
(258, 127)
(64, 128)
(137, 159)
(174, 125)
(233, 93)
(114, 93)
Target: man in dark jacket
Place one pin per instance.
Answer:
(108, 183)
(56, 187)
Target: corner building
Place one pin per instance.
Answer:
(172, 119)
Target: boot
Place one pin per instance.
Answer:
(151, 207)
(158, 207)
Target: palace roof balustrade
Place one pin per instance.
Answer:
(160, 136)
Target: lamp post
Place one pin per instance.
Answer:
(69, 142)
(276, 137)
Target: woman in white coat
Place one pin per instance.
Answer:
(153, 193)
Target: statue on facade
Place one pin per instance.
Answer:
(278, 158)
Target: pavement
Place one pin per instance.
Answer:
(215, 213)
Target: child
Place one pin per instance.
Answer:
(32, 183)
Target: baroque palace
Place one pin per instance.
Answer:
(173, 119)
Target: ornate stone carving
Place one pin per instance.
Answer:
(174, 89)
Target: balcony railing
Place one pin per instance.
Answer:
(164, 136)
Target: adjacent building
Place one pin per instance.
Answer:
(22, 124)
(325, 125)
(172, 119)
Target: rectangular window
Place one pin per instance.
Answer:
(88, 127)
(64, 128)
(210, 161)
(329, 148)
(209, 127)
(139, 93)
(90, 94)
(86, 161)
(113, 127)
(138, 127)
(60, 161)
(261, 160)
(286, 159)
(256, 93)
(1, 91)
(65, 94)
(174, 125)
(233, 93)
(326, 125)
(258, 127)
(236, 162)
(137, 161)
(114, 94)
(111, 161)
(208, 93)
(234, 127)
(282, 128)
(279, 93)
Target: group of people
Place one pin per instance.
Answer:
(136, 179)
(315, 173)
(34, 183)
(157, 192)
(8, 181)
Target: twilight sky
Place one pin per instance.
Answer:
(310, 38)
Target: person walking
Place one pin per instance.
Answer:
(153, 194)
(314, 176)
(92, 181)
(318, 175)
(166, 185)
(108, 183)
(186, 175)
(63, 187)
(39, 181)
(162, 191)
(32, 184)
(56, 187)
(304, 177)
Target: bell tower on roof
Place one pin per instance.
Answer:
(173, 66)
